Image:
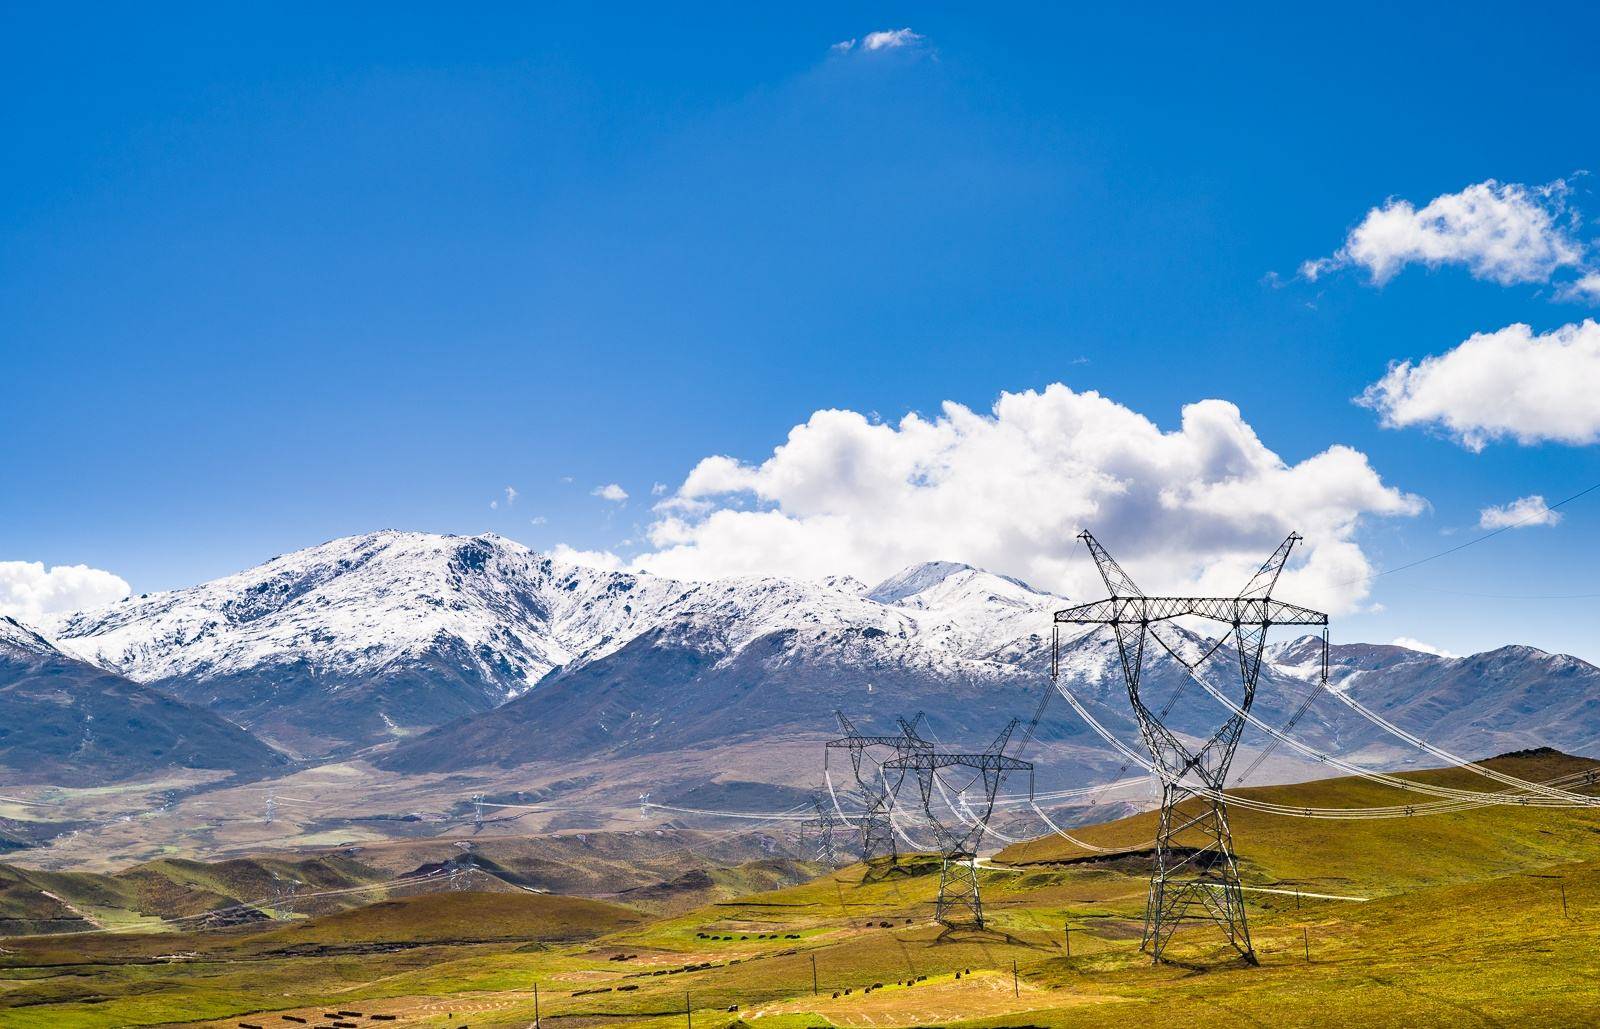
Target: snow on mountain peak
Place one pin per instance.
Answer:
(18, 642)
(922, 584)
(355, 606)
(406, 629)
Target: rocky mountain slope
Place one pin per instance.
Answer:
(66, 722)
(365, 639)
(460, 652)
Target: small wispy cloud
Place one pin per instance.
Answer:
(511, 495)
(537, 520)
(601, 559)
(1519, 514)
(1419, 646)
(884, 39)
(610, 491)
(658, 489)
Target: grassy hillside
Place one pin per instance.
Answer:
(1463, 923)
(650, 871)
(1379, 855)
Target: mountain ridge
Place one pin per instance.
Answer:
(428, 646)
(67, 722)
(396, 632)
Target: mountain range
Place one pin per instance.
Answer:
(70, 723)
(429, 653)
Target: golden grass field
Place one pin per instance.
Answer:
(1462, 923)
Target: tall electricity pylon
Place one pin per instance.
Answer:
(960, 905)
(821, 829)
(1204, 873)
(877, 833)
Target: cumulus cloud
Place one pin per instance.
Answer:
(511, 495)
(1419, 646)
(1502, 232)
(885, 39)
(1519, 514)
(1497, 385)
(601, 559)
(1196, 508)
(610, 491)
(29, 591)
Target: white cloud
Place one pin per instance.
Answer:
(537, 520)
(601, 559)
(610, 491)
(1522, 513)
(1585, 288)
(890, 39)
(28, 591)
(1505, 233)
(511, 495)
(1419, 646)
(1496, 385)
(658, 489)
(1193, 509)
(885, 39)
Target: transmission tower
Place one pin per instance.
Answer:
(1197, 882)
(960, 905)
(877, 833)
(821, 829)
(283, 897)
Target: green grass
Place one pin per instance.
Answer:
(1465, 927)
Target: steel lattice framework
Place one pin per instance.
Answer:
(960, 903)
(877, 834)
(821, 828)
(1205, 876)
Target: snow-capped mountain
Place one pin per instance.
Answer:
(378, 635)
(1510, 698)
(18, 642)
(65, 721)
(386, 636)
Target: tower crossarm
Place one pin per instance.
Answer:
(1227, 610)
(846, 742)
(928, 762)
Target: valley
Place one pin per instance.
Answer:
(1482, 917)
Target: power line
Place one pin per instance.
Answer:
(1491, 534)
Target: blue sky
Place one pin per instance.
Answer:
(272, 278)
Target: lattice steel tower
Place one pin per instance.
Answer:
(960, 903)
(1202, 875)
(821, 828)
(877, 833)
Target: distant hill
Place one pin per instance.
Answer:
(651, 870)
(66, 722)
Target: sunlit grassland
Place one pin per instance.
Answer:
(1464, 924)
